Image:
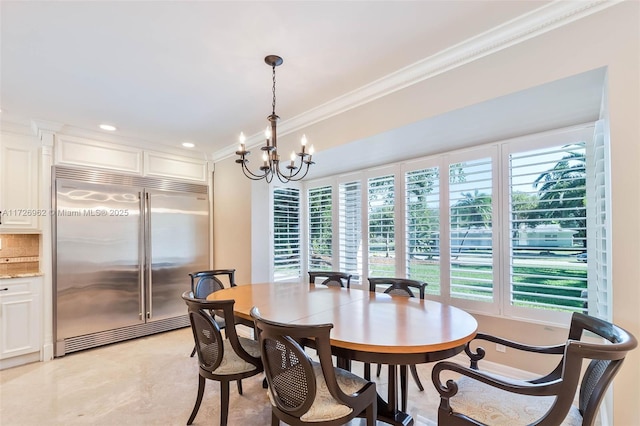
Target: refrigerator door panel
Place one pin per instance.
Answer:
(98, 278)
(179, 244)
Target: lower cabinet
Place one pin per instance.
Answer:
(20, 320)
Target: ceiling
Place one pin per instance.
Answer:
(175, 71)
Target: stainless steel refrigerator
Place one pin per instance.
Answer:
(123, 249)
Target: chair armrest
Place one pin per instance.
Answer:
(450, 388)
(480, 352)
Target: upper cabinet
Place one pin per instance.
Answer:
(19, 168)
(72, 150)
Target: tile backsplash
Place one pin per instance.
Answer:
(19, 253)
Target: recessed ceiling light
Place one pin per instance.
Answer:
(108, 127)
(188, 144)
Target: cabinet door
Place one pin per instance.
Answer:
(19, 318)
(18, 184)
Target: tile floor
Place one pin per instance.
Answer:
(147, 381)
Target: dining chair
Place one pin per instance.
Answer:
(223, 359)
(303, 391)
(406, 288)
(478, 397)
(331, 278)
(203, 283)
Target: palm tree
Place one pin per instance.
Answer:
(562, 193)
(474, 210)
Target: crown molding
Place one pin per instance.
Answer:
(515, 31)
(38, 127)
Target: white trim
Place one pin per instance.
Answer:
(495, 368)
(537, 22)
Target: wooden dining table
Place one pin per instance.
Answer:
(367, 326)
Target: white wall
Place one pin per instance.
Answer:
(609, 38)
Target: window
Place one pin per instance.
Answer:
(471, 229)
(350, 229)
(517, 228)
(548, 227)
(320, 229)
(286, 234)
(422, 207)
(381, 222)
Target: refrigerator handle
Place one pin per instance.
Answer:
(142, 256)
(147, 261)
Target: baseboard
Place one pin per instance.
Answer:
(495, 368)
(19, 360)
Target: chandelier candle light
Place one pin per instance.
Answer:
(270, 157)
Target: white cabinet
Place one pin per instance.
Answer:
(19, 184)
(20, 316)
(77, 151)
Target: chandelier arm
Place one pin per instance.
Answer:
(248, 173)
(293, 177)
(299, 169)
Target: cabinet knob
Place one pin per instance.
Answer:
(4, 289)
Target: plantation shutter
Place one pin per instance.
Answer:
(381, 223)
(598, 206)
(548, 228)
(350, 229)
(320, 230)
(422, 207)
(471, 230)
(286, 234)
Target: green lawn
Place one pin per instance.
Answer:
(549, 287)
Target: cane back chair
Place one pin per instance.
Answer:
(203, 283)
(223, 359)
(478, 397)
(303, 391)
(331, 278)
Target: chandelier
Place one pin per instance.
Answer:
(271, 166)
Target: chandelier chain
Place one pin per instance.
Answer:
(273, 104)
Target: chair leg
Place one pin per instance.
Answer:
(367, 371)
(275, 421)
(201, 384)
(371, 413)
(404, 389)
(239, 387)
(414, 373)
(193, 352)
(224, 406)
(379, 370)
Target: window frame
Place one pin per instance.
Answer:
(524, 144)
(272, 234)
(499, 152)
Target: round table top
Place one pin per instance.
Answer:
(363, 321)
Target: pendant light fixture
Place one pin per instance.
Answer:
(298, 166)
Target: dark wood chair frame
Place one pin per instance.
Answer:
(201, 320)
(198, 279)
(403, 287)
(203, 283)
(562, 382)
(363, 403)
(331, 278)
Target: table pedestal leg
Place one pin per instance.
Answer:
(388, 410)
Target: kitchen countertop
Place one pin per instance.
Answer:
(22, 275)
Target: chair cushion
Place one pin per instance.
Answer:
(325, 407)
(496, 407)
(232, 363)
